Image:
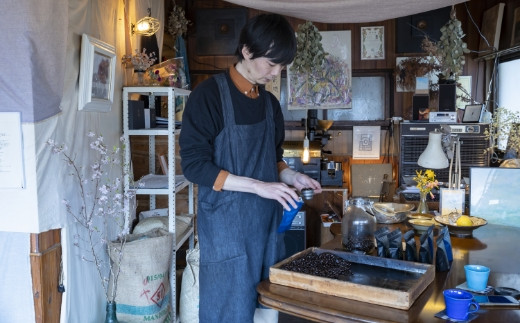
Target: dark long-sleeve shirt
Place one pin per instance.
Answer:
(202, 121)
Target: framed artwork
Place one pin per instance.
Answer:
(494, 194)
(515, 37)
(275, 86)
(366, 142)
(406, 77)
(96, 76)
(373, 42)
(463, 91)
(331, 86)
(422, 85)
(452, 200)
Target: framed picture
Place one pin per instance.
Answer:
(407, 72)
(494, 194)
(366, 142)
(96, 76)
(452, 200)
(463, 91)
(373, 42)
(329, 87)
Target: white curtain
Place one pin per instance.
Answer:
(345, 11)
(33, 38)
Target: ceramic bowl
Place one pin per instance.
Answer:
(420, 216)
(461, 231)
(391, 212)
(421, 225)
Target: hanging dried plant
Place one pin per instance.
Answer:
(309, 54)
(450, 49)
(177, 22)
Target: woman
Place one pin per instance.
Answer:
(231, 146)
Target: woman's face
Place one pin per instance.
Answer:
(259, 70)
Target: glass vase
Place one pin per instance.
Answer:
(423, 205)
(138, 79)
(111, 316)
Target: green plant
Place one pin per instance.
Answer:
(310, 54)
(504, 130)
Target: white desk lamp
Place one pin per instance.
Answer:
(433, 156)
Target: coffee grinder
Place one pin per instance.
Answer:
(331, 173)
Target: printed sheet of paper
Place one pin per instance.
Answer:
(11, 151)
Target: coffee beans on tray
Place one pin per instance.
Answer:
(325, 265)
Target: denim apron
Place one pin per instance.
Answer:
(237, 231)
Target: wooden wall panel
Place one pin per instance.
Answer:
(45, 260)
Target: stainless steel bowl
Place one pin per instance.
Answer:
(391, 212)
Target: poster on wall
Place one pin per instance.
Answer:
(11, 151)
(373, 42)
(366, 142)
(329, 87)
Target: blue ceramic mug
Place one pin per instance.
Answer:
(458, 304)
(476, 277)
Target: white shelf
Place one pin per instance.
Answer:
(160, 184)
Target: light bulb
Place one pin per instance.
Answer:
(306, 154)
(143, 26)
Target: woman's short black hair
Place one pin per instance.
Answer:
(270, 36)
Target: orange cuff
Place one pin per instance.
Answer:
(219, 182)
(281, 166)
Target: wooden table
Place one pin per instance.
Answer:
(495, 246)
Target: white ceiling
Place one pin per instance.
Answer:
(345, 11)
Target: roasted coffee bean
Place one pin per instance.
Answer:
(360, 244)
(324, 265)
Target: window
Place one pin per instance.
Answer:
(508, 80)
(370, 100)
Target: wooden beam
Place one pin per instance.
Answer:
(45, 256)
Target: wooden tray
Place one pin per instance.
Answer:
(382, 281)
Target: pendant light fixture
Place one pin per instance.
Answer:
(146, 26)
(306, 153)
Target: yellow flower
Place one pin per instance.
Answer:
(426, 180)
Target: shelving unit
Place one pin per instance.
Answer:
(173, 184)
